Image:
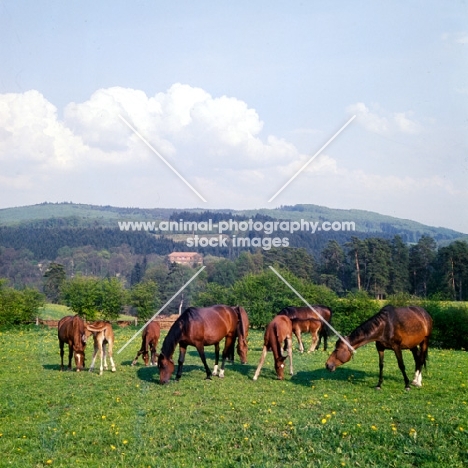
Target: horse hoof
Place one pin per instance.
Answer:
(416, 384)
(208, 378)
(113, 370)
(407, 389)
(378, 387)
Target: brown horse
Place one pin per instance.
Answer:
(150, 337)
(305, 319)
(278, 331)
(392, 328)
(103, 338)
(202, 327)
(71, 330)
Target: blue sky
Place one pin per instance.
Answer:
(237, 96)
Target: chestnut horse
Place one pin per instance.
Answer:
(150, 337)
(305, 319)
(278, 331)
(71, 330)
(395, 328)
(103, 335)
(202, 327)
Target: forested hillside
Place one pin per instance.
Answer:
(379, 263)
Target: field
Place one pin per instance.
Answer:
(126, 419)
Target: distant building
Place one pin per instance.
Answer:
(186, 258)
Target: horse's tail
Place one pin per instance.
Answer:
(425, 353)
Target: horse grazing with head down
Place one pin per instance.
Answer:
(149, 338)
(313, 321)
(277, 333)
(103, 338)
(71, 330)
(395, 328)
(202, 327)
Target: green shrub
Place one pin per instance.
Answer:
(18, 306)
(352, 310)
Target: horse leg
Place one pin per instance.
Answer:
(215, 369)
(70, 355)
(314, 343)
(325, 339)
(420, 355)
(104, 350)
(401, 365)
(96, 349)
(380, 350)
(418, 366)
(137, 356)
(111, 359)
(299, 339)
(153, 352)
(61, 354)
(182, 351)
(289, 345)
(228, 346)
(260, 364)
(201, 352)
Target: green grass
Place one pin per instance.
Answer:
(66, 419)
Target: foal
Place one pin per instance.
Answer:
(150, 337)
(103, 335)
(278, 331)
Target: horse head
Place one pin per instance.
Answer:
(166, 368)
(340, 355)
(242, 333)
(279, 367)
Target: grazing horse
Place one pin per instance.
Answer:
(305, 319)
(71, 330)
(394, 328)
(202, 327)
(278, 331)
(150, 337)
(103, 336)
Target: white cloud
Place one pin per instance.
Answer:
(382, 122)
(216, 144)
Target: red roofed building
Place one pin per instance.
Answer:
(186, 258)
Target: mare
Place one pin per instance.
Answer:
(305, 319)
(71, 330)
(395, 328)
(103, 337)
(149, 338)
(278, 331)
(202, 327)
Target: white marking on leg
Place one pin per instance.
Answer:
(417, 381)
(221, 373)
(215, 369)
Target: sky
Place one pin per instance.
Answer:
(227, 101)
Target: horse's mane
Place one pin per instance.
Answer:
(370, 325)
(175, 333)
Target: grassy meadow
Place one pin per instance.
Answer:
(126, 419)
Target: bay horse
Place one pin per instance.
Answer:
(305, 319)
(71, 330)
(395, 328)
(278, 331)
(149, 338)
(202, 327)
(103, 338)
